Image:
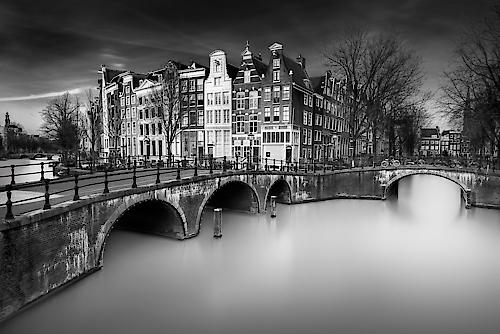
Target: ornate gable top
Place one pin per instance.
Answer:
(276, 47)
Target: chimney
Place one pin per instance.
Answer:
(302, 61)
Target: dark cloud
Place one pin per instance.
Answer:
(57, 45)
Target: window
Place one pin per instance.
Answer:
(267, 94)
(217, 66)
(253, 123)
(128, 100)
(276, 94)
(133, 99)
(286, 92)
(141, 130)
(200, 117)
(210, 99)
(127, 89)
(185, 120)
(141, 114)
(304, 120)
(192, 100)
(225, 97)
(140, 101)
(217, 99)
(159, 128)
(184, 101)
(192, 85)
(226, 116)
(128, 128)
(199, 84)
(216, 81)
(276, 114)
(200, 100)
(134, 128)
(134, 112)
(309, 137)
(210, 116)
(286, 114)
(128, 112)
(184, 86)
(253, 102)
(305, 99)
(309, 118)
(276, 76)
(153, 129)
(267, 114)
(122, 101)
(123, 113)
(240, 100)
(217, 116)
(310, 101)
(304, 136)
(276, 63)
(152, 112)
(240, 124)
(147, 129)
(246, 76)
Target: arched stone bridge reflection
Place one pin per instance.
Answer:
(45, 249)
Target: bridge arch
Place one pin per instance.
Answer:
(465, 191)
(167, 219)
(280, 188)
(229, 190)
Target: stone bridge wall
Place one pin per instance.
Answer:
(45, 250)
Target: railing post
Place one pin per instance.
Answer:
(265, 167)
(274, 165)
(134, 176)
(128, 163)
(211, 163)
(195, 166)
(178, 177)
(324, 168)
(281, 165)
(314, 167)
(236, 163)
(76, 197)
(158, 172)
(46, 205)
(224, 164)
(8, 204)
(106, 189)
(42, 173)
(288, 166)
(12, 175)
(296, 167)
(217, 223)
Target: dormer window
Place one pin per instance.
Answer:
(276, 63)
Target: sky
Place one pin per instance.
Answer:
(49, 47)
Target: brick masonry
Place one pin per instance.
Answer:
(45, 250)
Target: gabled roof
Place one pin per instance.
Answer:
(318, 84)
(232, 71)
(260, 66)
(109, 74)
(299, 75)
(428, 132)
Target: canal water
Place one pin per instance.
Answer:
(419, 263)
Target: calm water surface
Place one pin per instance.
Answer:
(417, 264)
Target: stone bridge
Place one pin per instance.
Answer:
(46, 249)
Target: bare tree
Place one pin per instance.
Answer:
(60, 123)
(380, 72)
(471, 93)
(90, 124)
(164, 99)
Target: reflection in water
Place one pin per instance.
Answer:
(417, 264)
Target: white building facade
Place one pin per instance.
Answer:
(218, 104)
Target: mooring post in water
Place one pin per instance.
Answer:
(273, 206)
(217, 223)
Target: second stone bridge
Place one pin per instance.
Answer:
(46, 249)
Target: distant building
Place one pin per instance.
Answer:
(451, 143)
(430, 141)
